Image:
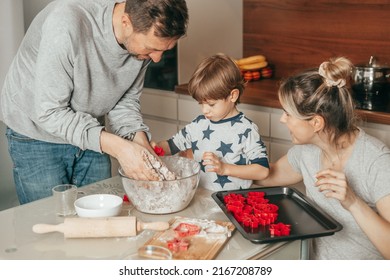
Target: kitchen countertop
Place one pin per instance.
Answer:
(264, 93)
(18, 241)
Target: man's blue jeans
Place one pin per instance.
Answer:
(39, 166)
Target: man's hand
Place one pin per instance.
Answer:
(130, 155)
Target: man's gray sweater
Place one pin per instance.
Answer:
(69, 73)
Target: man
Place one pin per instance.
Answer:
(82, 61)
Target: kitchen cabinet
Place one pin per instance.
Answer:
(188, 109)
(281, 139)
(159, 110)
(159, 103)
(182, 109)
(261, 96)
(161, 130)
(259, 115)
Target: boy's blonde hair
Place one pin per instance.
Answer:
(215, 78)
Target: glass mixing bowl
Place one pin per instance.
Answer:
(165, 197)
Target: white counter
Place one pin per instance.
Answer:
(17, 241)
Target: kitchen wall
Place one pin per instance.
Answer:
(214, 26)
(31, 8)
(15, 17)
(11, 34)
(298, 34)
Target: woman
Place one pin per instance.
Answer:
(345, 171)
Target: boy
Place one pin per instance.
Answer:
(223, 140)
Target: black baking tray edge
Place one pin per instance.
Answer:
(306, 219)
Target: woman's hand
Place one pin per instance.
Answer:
(375, 224)
(334, 185)
(213, 163)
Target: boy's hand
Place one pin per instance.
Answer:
(213, 163)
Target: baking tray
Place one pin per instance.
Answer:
(306, 219)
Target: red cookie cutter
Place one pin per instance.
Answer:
(186, 229)
(177, 244)
(159, 151)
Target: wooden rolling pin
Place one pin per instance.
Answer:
(100, 227)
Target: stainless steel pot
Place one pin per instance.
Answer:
(372, 86)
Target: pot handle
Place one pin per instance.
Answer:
(372, 61)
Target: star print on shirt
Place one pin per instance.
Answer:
(248, 120)
(225, 148)
(235, 120)
(246, 134)
(241, 161)
(199, 118)
(184, 132)
(261, 143)
(222, 180)
(207, 132)
(194, 146)
(202, 167)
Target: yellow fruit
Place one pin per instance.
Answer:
(253, 66)
(251, 60)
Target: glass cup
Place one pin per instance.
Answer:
(64, 197)
(150, 252)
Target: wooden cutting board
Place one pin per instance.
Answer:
(203, 246)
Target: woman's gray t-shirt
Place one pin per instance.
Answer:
(368, 174)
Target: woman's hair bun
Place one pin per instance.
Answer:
(336, 71)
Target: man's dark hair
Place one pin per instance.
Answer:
(168, 17)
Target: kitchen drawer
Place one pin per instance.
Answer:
(159, 103)
(261, 119)
(279, 130)
(279, 149)
(268, 145)
(161, 130)
(188, 109)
